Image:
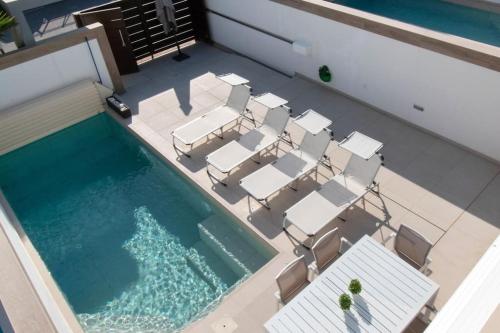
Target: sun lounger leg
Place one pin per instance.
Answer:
(327, 162)
(221, 135)
(375, 188)
(287, 138)
(179, 150)
(296, 183)
(265, 203)
(212, 176)
(258, 160)
(344, 219)
(312, 237)
(248, 115)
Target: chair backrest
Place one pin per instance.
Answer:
(326, 248)
(412, 245)
(292, 278)
(316, 145)
(363, 171)
(277, 119)
(238, 97)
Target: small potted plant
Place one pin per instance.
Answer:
(355, 287)
(345, 302)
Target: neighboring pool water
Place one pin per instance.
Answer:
(479, 25)
(131, 244)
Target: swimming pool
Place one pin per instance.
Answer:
(442, 16)
(132, 245)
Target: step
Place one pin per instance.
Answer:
(208, 266)
(106, 321)
(229, 245)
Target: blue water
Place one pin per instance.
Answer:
(478, 25)
(119, 229)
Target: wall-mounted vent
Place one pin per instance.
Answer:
(418, 107)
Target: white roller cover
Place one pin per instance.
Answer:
(41, 116)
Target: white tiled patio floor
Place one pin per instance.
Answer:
(450, 195)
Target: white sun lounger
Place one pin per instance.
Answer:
(250, 145)
(215, 120)
(316, 210)
(287, 169)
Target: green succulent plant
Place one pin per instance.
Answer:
(345, 302)
(6, 22)
(355, 286)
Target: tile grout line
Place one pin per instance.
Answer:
(410, 211)
(471, 203)
(407, 208)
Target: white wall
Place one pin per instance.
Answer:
(461, 100)
(50, 72)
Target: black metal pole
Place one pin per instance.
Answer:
(180, 55)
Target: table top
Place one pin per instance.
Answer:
(233, 79)
(312, 121)
(361, 145)
(393, 293)
(270, 100)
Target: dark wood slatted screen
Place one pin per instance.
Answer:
(145, 31)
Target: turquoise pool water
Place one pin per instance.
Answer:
(132, 245)
(478, 25)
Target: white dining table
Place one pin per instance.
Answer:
(393, 293)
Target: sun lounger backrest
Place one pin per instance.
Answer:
(277, 119)
(363, 171)
(238, 98)
(315, 145)
(412, 245)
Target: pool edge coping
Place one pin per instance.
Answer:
(52, 301)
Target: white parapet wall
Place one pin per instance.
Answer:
(476, 299)
(461, 100)
(52, 71)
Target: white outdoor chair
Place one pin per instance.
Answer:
(250, 145)
(328, 248)
(412, 246)
(215, 120)
(291, 280)
(320, 207)
(288, 169)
